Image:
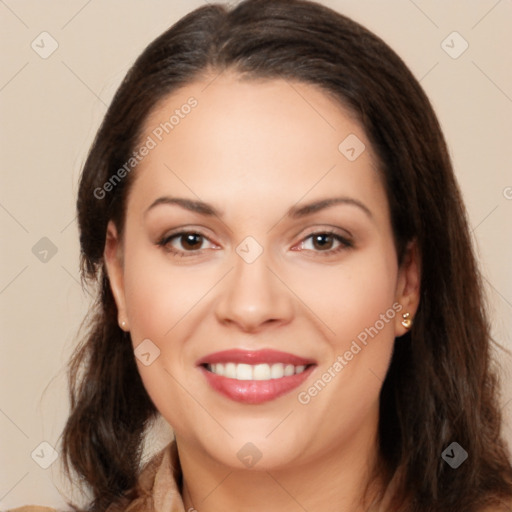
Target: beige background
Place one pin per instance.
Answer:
(52, 107)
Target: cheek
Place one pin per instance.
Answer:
(163, 301)
(357, 304)
(159, 294)
(351, 297)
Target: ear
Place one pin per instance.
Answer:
(408, 286)
(113, 257)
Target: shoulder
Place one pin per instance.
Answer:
(157, 486)
(32, 508)
(503, 506)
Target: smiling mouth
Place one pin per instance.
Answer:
(255, 377)
(264, 371)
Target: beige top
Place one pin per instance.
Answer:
(157, 487)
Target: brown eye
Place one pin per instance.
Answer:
(185, 243)
(323, 241)
(191, 241)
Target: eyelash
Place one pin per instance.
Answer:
(344, 243)
(164, 242)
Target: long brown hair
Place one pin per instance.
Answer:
(440, 387)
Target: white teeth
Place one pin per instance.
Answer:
(229, 370)
(289, 369)
(255, 372)
(243, 372)
(277, 370)
(261, 372)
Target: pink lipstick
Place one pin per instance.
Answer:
(254, 377)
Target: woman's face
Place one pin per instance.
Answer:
(257, 273)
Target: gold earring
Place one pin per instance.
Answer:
(407, 320)
(123, 324)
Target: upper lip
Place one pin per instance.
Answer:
(262, 356)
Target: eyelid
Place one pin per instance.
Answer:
(326, 228)
(182, 230)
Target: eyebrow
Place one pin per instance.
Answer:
(188, 204)
(315, 206)
(294, 212)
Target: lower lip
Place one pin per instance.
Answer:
(255, 391)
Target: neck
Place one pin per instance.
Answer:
(330, 482)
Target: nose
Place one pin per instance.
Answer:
(253, 297)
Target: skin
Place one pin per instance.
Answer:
(253, 150)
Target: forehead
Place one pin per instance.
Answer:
(255, 140)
